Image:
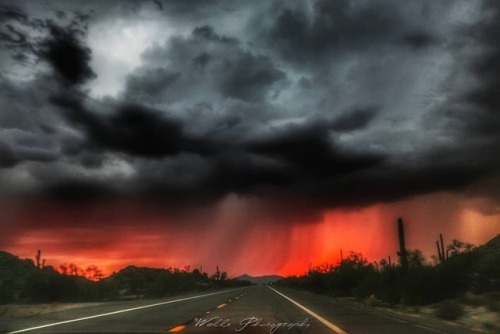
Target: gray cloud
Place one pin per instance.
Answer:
(310, 36)
(206, 66)
(418, 39)
(11, 156)
(354, 119)
(323, 104)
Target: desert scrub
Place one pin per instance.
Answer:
(449, 310)
(472, 299)
(373, 301)
(493, 305)
(493, 301)
(491, 328)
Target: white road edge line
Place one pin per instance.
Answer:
(429, 329)
(325, 322)
(114, 312)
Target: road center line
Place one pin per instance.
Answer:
(325, 322)
(116, 312)
(177, 329)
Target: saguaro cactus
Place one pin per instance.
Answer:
(445, 254)
(442, 255)
(37, 258)
(403, 256)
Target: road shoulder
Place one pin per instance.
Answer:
(419, 319)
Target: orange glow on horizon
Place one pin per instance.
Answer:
(340, 232)
(234, 238)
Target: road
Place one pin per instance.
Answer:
(256, 309)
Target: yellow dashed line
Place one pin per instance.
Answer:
(177, 328)
(221, 305)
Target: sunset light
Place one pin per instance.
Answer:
(192, 152)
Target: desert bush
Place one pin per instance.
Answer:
(495, 295)
(472, 299)
(373, 301)
(493, 305)
(449, 310)
(491, 328)
(492, 301)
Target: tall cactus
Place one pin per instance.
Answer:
(442, 247)
(442, 255)
(403, 255)
(37, 258)
(217, 274)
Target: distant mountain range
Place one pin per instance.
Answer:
(259, 279)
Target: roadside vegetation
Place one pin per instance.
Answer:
(461, 277)
(24, 281)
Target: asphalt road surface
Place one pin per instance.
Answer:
(256, 309)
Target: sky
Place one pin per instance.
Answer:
(260, 136)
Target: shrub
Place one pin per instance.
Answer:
(495, 295)
(373, 301)
(493, 305)
(472, 299)
(491, 328)
(493, 301)
(420, 286)
(450, 310)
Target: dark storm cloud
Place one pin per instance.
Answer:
(331, 28)
(66, 54)
(418, 39)
(131, 129)
(78, 191)
(11, 156)
(248, 78)
(57, 40)
(322, 104)
(395, 183)
(24, 114)
(192, 179)
(208, 33)
(355, 119)
(310, 151)
(485, 98)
